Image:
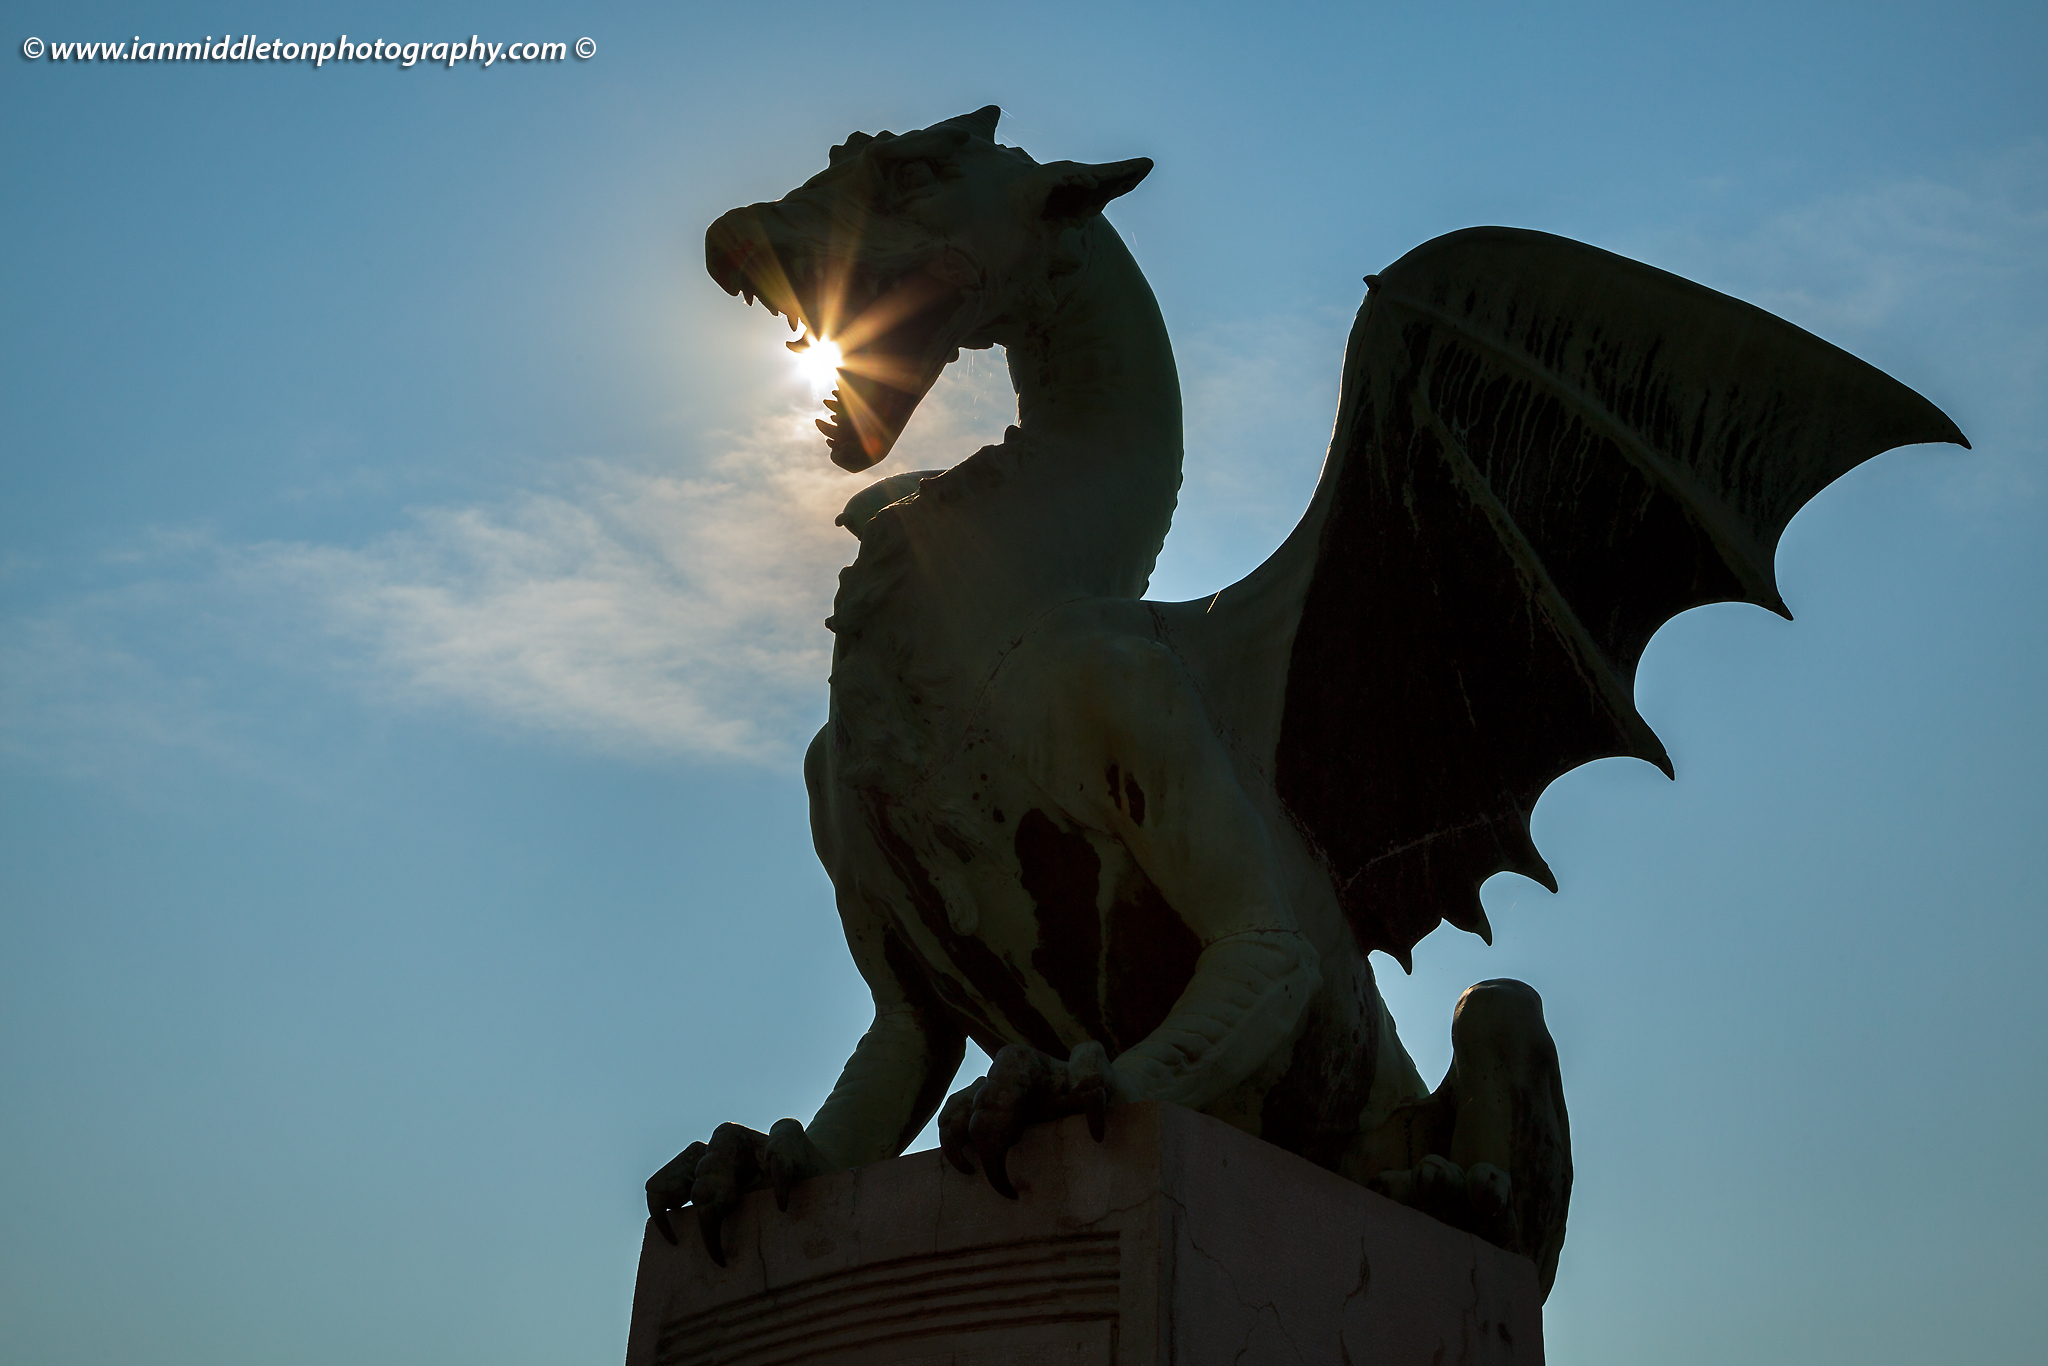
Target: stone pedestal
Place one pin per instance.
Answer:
(1178, 1241)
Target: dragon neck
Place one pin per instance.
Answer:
(1098, 422)
(1073, 504)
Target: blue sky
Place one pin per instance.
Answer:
(411, 569)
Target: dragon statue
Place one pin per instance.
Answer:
(1142, 850)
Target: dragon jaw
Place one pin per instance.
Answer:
(905, 250)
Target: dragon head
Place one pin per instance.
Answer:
(905, 249)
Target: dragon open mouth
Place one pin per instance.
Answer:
(891, 353)
(892, 333)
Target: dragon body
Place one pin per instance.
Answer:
(1142, 850)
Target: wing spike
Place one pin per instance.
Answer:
(1471, 918)
(1526, 859)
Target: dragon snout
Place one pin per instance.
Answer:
(730, 245)
(742, 257)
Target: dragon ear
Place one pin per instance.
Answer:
(1076, 192)
(981, 123)
(854, 142)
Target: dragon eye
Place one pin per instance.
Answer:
(912, 175)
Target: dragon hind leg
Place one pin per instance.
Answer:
(1490, 1150)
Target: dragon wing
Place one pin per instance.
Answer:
(1543, 452)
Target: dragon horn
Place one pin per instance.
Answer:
(981, 123)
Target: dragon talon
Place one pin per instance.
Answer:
(1089, 1077)
(790, 1159)
(661, 1222)
(669, 1188)
(709, 1217)
(999, 1176)
(956, 1127)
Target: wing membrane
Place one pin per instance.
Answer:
(1543, 453)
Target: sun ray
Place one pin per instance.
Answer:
(819, 364)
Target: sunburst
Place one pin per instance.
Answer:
(819, 364)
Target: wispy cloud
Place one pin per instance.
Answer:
(1943, 281)
(1860, 259)
(633, 610)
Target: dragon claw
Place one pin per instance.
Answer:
(714, 1177)
(1478, 1199)
(1023, 1087)
(669, 1188)
(784, 1179)
(791, 1159)
(1019, 1084)
(999, 1174)
(954, 1121)
(731, 1166)
(660, 1218)
(709, 1217)
(1090, 1081)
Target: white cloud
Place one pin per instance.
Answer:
(1856, 259)
(1941, 282)
(635, 611)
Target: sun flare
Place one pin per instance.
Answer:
(819, 363)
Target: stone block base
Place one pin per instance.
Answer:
(1178, 1241)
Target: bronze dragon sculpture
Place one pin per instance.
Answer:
(1141, 850)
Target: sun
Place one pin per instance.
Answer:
(819, 363)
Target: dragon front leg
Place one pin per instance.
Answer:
(887, 1091)
(1124, 707)
(1241, 1005)
(885, 1094)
